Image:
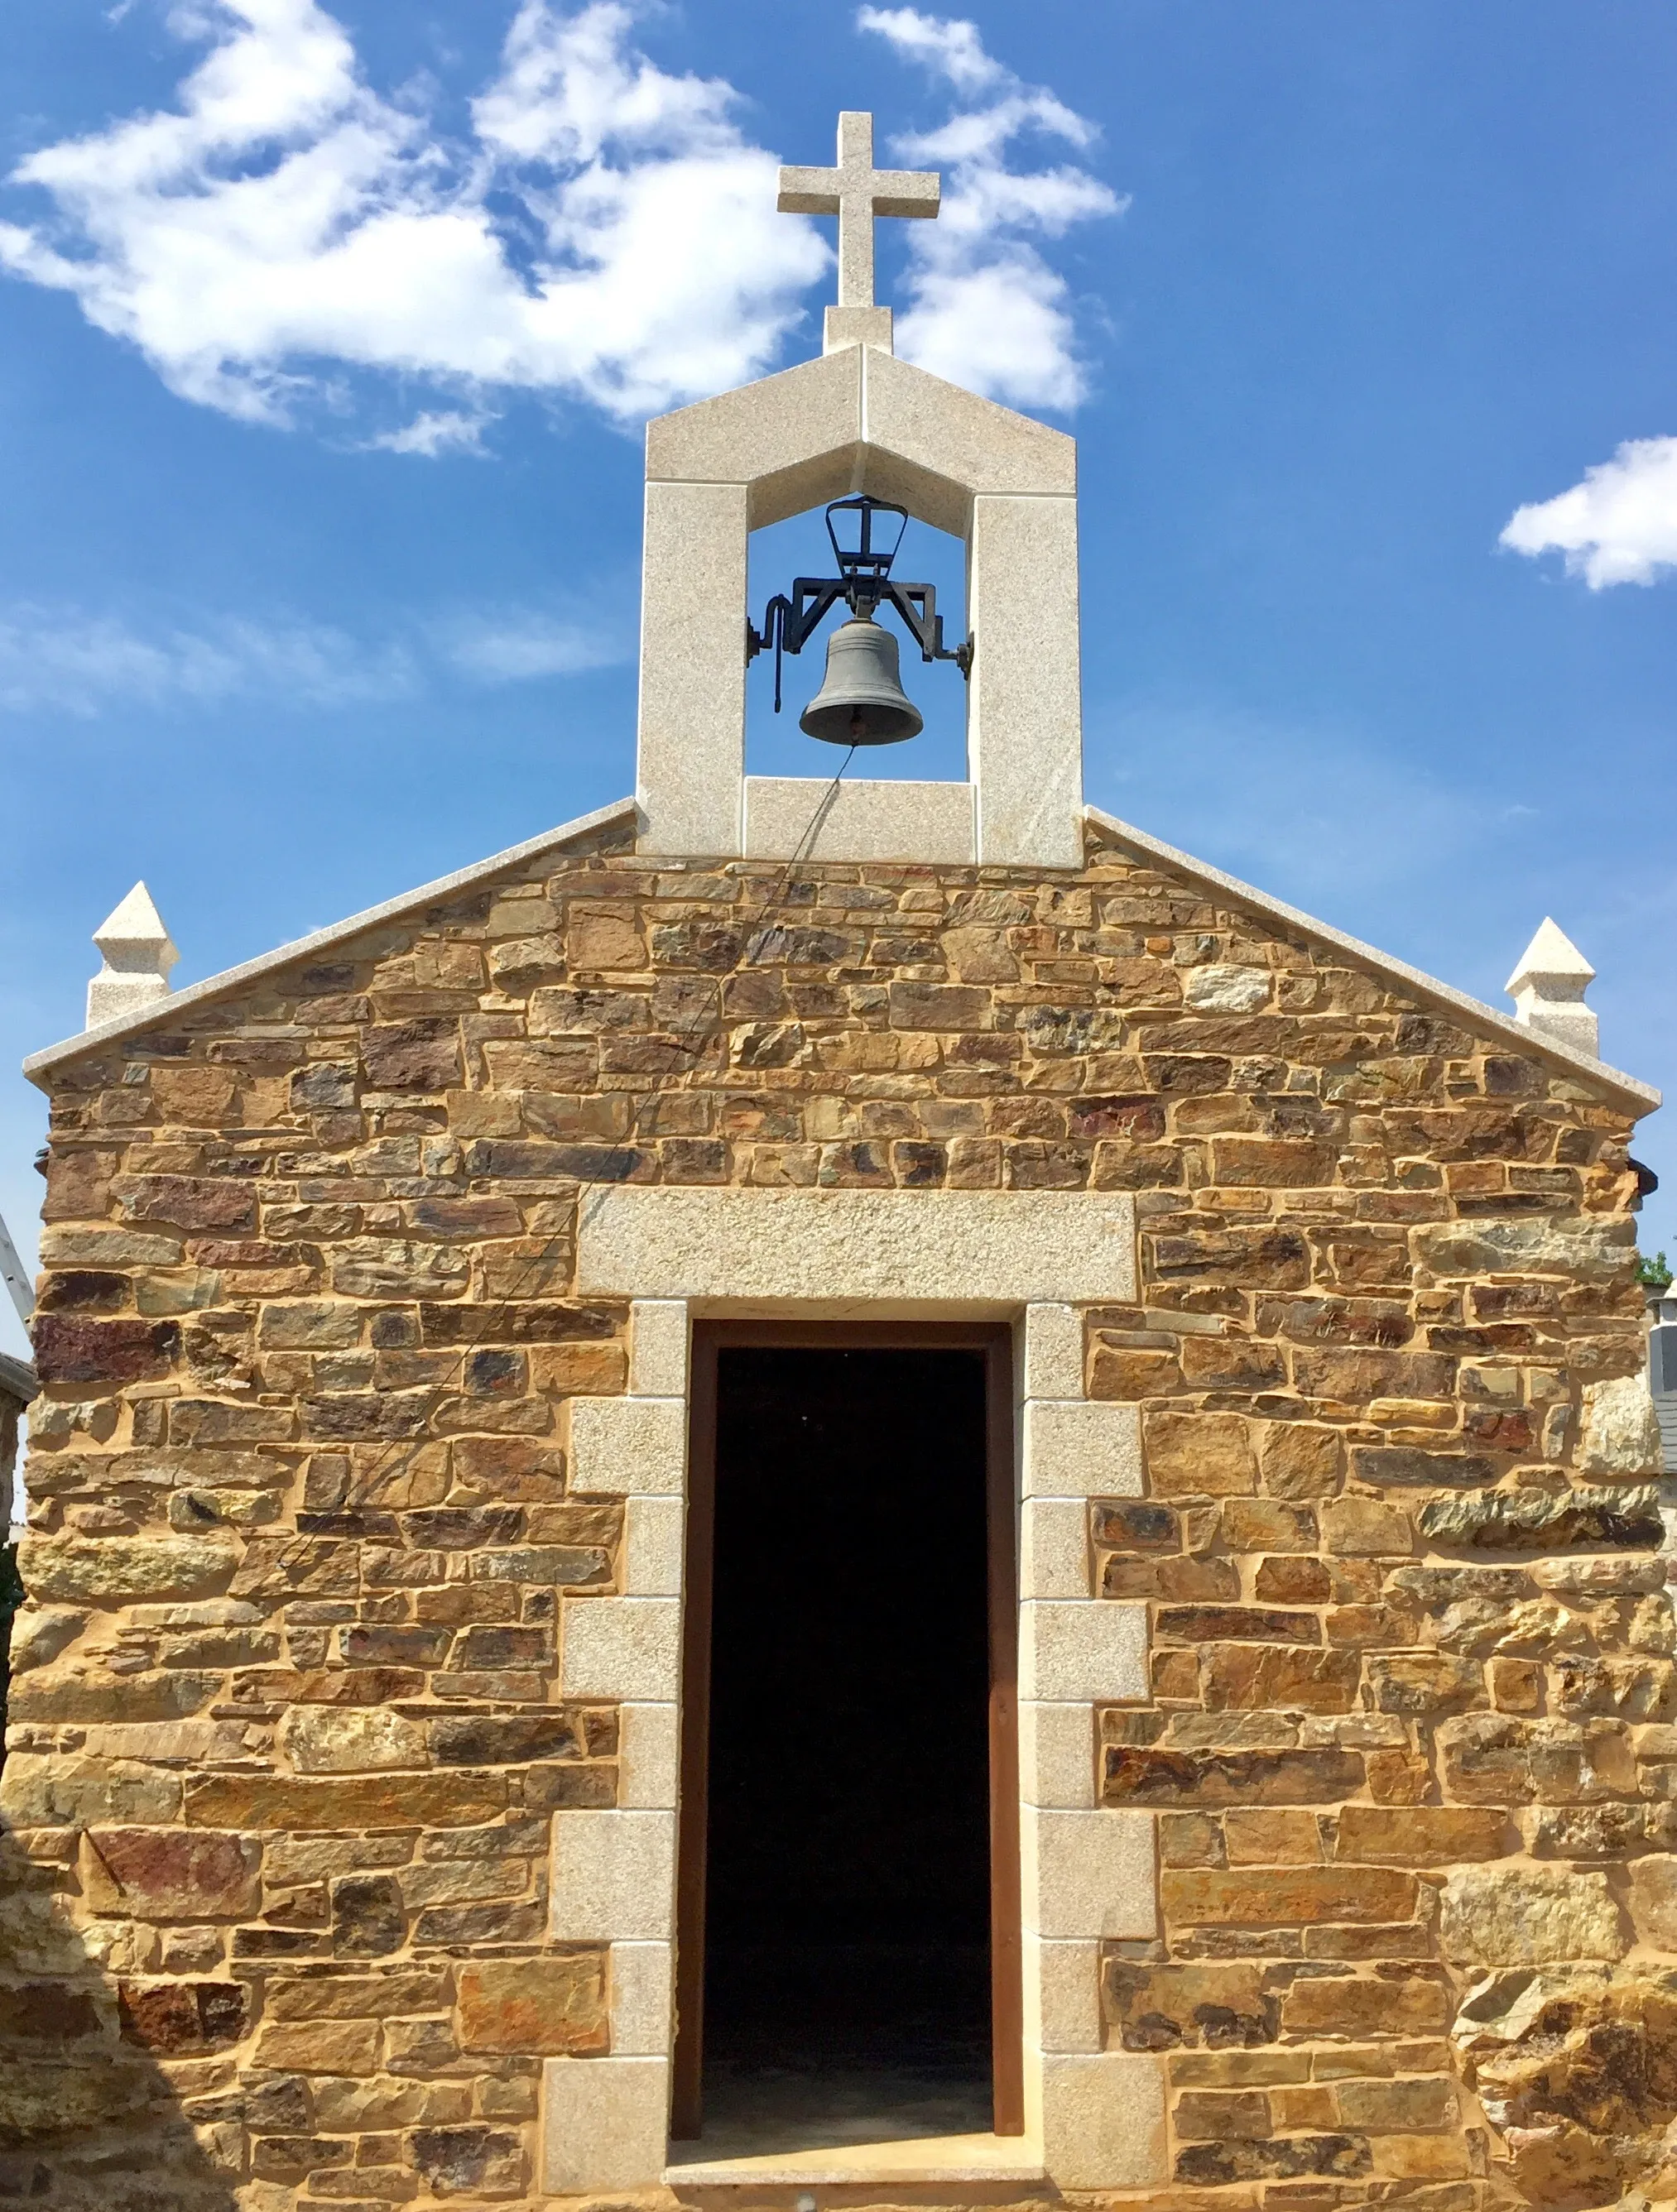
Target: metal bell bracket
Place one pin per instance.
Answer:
(864, 582)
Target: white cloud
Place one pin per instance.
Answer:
(1618, 526)
(438, 430)
(609, 233)
(66, 660)
(79, 663)
(511, 648)
(604, 230)
(951, 48)
(987, 310)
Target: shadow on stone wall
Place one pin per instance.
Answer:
(11, 1596)
(89, 2119)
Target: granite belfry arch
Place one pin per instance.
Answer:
(860, 420)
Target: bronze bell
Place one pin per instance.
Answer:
(862, 701)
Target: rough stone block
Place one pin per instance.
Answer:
(613, 1877)
(1619, 1434)
(72, 1790)
(405, 1800)
(320, 2046)
(183, 2019)
(1214, 2004)
(1590, 1249)
(1382, 2107)
(350, 1740)
(454, 2161)
(172, 1874)
(1268, 1678)
(1360, 2007)
(1363, 1528)
(108, 1247)
(1201, 1456)
(1277, 1896)
(104, 1570)
(534, 2008)
(1531, 1915)
(1534, 1520)
(1222, 988)
(309, 1325)
(1300, 1461)
(1423, 1835)
(1654, 1899)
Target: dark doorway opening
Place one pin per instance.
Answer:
(857, 1578)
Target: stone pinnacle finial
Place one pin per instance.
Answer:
(1547, 987)
(138, 956)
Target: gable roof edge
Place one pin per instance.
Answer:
(18, 1381)
(162, 1011)
(1625, 1089)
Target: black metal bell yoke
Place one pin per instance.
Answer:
(862, 701)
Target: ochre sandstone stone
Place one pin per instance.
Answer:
(292, 1728)
(1653, 1900)
(333, 1740)
(1199, 1455)
(117, 1568)
(1277, 1896)
(171, 1873)
(1529, 1917)
(404, 1802)
(1620, 1433)
(1422, 1835)
(184, 2020)
(541, 2006)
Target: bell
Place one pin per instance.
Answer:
(861, 701)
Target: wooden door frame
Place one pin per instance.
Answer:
(996, 1340)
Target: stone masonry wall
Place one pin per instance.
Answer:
(286, 1729)
(11, 1415)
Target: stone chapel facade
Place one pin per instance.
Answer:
(342, 1806)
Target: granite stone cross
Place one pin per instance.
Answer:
(856, 191)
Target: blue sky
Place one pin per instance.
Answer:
(322, 372)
